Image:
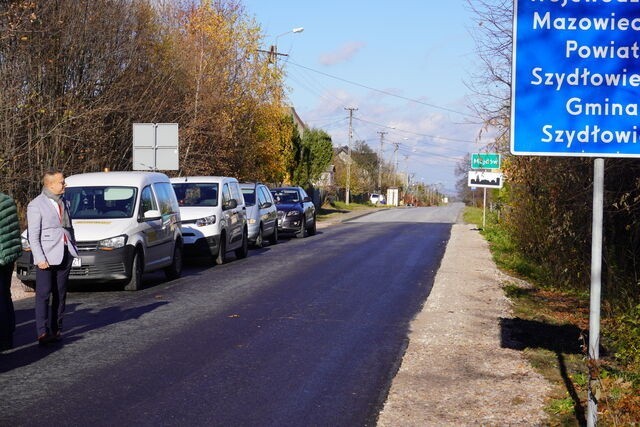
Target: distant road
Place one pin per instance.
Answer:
(307, 332)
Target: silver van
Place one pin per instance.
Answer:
(262, 215)
(214, 219)
(125, 223)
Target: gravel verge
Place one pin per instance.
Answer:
(455, 370)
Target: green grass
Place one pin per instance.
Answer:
(545, 303)
(328, 211)
(473, 216)
(504, 250)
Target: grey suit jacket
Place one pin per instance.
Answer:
(46, 233)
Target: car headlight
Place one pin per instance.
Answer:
(112, 243)
(25, 244)
(251, 221)
(207, 220)
(293, 213)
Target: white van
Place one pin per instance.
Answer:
(214, 218)
(125, 224)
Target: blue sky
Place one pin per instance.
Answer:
(403, 64)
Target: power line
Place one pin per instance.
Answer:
(414, 133)
(386, 93)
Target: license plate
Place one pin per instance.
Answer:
(77, 262)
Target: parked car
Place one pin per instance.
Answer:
(214, 219)
(262, 215)
(125, 223)
(296, 211)
(376, 198)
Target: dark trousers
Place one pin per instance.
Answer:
(52, 282)
(7, 314)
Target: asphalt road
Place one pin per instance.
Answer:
(307, 332)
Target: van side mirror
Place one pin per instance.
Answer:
(265, 205)
(152, 214)
(231, 204)
(306, 199)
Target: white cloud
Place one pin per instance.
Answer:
(345, 53)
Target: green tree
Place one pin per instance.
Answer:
(312, 157)
(365, 174)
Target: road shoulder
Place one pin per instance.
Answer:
(455, 371)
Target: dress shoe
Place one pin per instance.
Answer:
(44, 339)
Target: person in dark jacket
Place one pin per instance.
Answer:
(10, 249)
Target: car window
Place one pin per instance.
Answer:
(268, 195)
(249, 194)
(226, 194)
(147, 201)
(101, 202)
(196, 193)
(262, 198)
(236, 193)
(286, 196)
(166, 198)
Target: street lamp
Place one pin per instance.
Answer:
(273, 52)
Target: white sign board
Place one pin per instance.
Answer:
(155, 146)
(485, 179)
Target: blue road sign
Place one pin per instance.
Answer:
(576, 78)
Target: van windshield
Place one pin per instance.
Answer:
(101, 202)
(196, 194)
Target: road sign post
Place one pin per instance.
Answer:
(484, 180)
(596, 285)
(575, 80)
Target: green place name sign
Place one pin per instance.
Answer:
(485, 161)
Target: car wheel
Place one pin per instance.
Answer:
(273, 239)
(175, 269)
(259, 238)
(222, 250)
(311, 231)
(137, 269)
(303, 230)
(243, 250)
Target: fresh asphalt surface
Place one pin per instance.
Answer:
(307, 332)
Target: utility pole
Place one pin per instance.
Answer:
(348, 186)
(395, 170)
(382, 134)
(273, 53)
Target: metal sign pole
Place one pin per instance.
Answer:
(484, 209)
(155, 147)
(596, 280)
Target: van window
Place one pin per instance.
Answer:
(226, 195)
(265, 196)
(147, 201)
(261, 197)
(166, 198)
(196, 194)
(236, 193)
(101, 202)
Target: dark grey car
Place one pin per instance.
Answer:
(296, 211)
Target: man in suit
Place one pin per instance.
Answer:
(53, 247)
